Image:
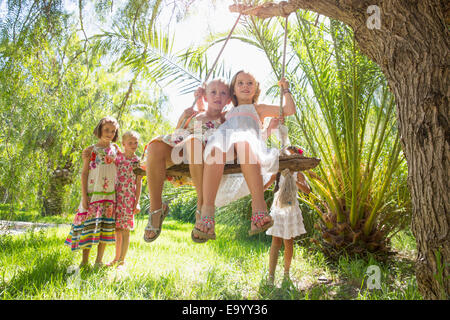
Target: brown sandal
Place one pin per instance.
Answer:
(257, 217)
(209, 223)
(197, 218)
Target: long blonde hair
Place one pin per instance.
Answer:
(233, 83)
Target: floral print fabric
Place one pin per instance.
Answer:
(125, 192)
(195, 129)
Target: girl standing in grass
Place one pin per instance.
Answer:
(128, 192)
(94, 222)
(288, 222)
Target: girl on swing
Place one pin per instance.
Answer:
(241, 132)
(161, 151)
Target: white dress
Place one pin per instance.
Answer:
(242, 125)
(288, 221)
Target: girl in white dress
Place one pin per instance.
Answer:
(288, 222)
(241, 133)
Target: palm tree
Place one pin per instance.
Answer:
(346, 117)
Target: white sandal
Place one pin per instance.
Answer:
(156, 230)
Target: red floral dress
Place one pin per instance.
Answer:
(125, 192)
(195, 129)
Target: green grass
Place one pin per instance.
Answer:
(35, 265)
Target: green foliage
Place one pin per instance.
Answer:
(184, 204)
(55, 86)
(346, 117)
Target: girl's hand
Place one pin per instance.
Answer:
(274, 122)
(199, 94)
(188, 112)
(85, 203)
(284, 84)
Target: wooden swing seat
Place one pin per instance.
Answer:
(293, 162)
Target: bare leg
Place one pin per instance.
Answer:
(158, 158)
(302, 184)
(85, 258)
(194, 149)
(100, 251)
(252, 174)
(119, 238)
(212, 174)
(288, 253)
(125, 245)
(273, 258)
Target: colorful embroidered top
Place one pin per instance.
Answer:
(102, 174)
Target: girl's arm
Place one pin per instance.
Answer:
(186, 114)
(198, 94)
(302, 185)
(269, 183)
(137, 208)
(86, 156)
(273, 124)
(265, 110)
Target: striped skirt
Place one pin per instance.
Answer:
(93, 226)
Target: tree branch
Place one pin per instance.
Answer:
(340, 10)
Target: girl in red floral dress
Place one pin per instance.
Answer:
(128, 192)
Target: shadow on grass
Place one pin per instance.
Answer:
(290, 290)
(31, 280)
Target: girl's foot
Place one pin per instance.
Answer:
(270, 280)
(112, 263)
(261, 221)
(194, 237)
(204, 229)
(155, 218)
(121, 264)
(99, 265)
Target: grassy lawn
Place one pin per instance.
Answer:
(35, 265)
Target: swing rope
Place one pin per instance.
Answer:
(220, 53)
(283, 67)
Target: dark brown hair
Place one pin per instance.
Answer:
(108, 119)
(233, 83)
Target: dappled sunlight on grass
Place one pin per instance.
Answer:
(37, 266)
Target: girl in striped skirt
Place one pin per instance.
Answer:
(94, 223)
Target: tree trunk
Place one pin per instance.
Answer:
(411, 45)
(53, 201)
